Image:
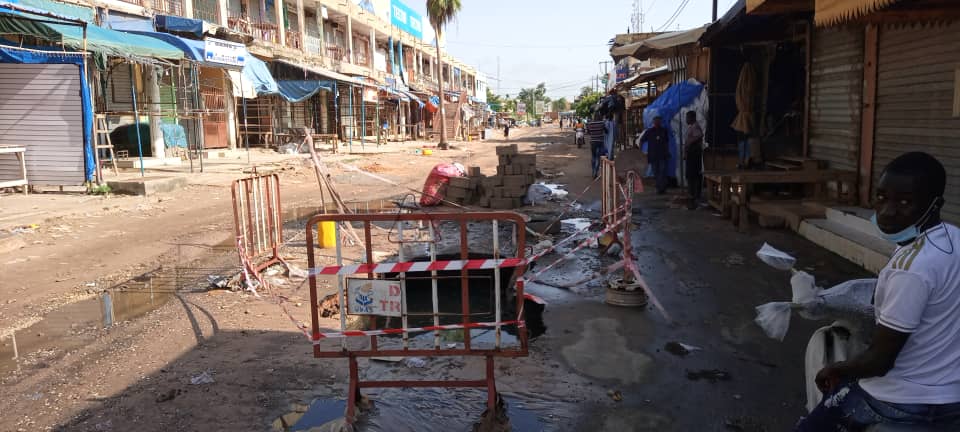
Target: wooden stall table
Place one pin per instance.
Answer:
(742, 184)
(20, 153)
(718, 190)
(326, 138)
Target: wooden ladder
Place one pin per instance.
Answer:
(101, 132)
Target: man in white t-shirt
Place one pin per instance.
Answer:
(910, 374)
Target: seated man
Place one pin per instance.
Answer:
(910, 374)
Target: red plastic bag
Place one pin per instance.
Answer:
(434, 189)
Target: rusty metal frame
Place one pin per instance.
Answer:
(257, 219)
(431, 220)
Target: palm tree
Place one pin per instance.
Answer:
(441, 12)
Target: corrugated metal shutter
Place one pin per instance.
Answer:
(836, 91)
(915, 89)
(40, 109)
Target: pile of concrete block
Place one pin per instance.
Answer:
(504, 191)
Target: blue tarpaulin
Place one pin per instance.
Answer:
(668, 105)
(170, 23)
(103, 41)
(127, 23)
(412, 97)
(301, 90)
(173, 135)
(258, 74)
(37, 55)
(192, 49)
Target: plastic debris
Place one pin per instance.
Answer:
(296, 272)
(775, 258)
(217, 281)
(204, 378)
(415, 362)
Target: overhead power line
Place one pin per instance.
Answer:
(673, 17)
(525, 46)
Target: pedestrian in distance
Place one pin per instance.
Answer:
(658, 152)
(693, 157)
(595, 132)
(506, 130)
(910, 373)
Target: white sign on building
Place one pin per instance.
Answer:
(224, 52)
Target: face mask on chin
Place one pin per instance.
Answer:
(909, 233)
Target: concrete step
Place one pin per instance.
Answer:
(868, 251)
(857, 218)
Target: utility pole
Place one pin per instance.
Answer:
(498, 73)
(714, 10)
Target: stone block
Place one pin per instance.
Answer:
(460, 182)
(456, 192)
(474, 171)
(515, 181)
(504, 203)
(507, 150)
(147, 185)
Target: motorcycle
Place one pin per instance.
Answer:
(580, 139)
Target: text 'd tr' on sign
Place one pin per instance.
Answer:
(374, 297)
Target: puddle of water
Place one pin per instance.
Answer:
(426, 410)
(76, 324)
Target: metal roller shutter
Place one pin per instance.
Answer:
(40, 109)
(836, 89)
(917, 69)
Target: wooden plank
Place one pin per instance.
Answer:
(868, 120)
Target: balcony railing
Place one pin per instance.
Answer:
(337, 53)
(262, 30)
(168, 7)
(207, 10)
(312, 44)
(293, 39)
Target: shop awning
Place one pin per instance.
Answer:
(100, 40)
(301, 90)
(642, 77)
(659, 45)
(326, 72)
(255, 79)
(778, 6)
(412, 97)
(829, 12)
(192, 49)
(175, 24)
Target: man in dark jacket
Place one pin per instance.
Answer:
(595, 132)
(658, 152)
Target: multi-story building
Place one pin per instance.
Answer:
(349, 70)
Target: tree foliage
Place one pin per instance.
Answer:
(586, 102)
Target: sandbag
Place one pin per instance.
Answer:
(434, 189)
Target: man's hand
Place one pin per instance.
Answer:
(829, 378)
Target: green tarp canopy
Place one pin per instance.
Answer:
(103, 42)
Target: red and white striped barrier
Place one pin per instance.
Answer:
(419, 266)
(394, 331)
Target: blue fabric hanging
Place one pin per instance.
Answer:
(301, 90)
(668, 105)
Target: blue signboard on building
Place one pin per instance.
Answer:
(406, 19)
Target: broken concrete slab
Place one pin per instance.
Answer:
(149, 162)
(147, 186)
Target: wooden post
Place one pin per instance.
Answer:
(806, 90)
(869, 111)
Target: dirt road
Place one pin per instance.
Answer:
(136, 375)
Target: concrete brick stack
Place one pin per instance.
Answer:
(504, 191)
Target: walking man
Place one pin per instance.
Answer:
(595, 132)
(506, 129)
(658, 152)
(910, 374)
(693, 154)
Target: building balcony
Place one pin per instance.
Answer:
(207, 10)
(293, 39)
(312, 46)
(264, 31)
(167, 7)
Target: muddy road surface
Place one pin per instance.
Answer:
(184, 357)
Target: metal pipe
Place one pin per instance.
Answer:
(136, 119)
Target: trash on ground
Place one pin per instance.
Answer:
(616, 395)
(712, 375)
(217, 281)
(575, 224)
(542, 192)
(415, 362)
(296, 272)
(775, 258)
(387, 359)
(680, 349)
(203, 378)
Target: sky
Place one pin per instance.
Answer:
(559, 42)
